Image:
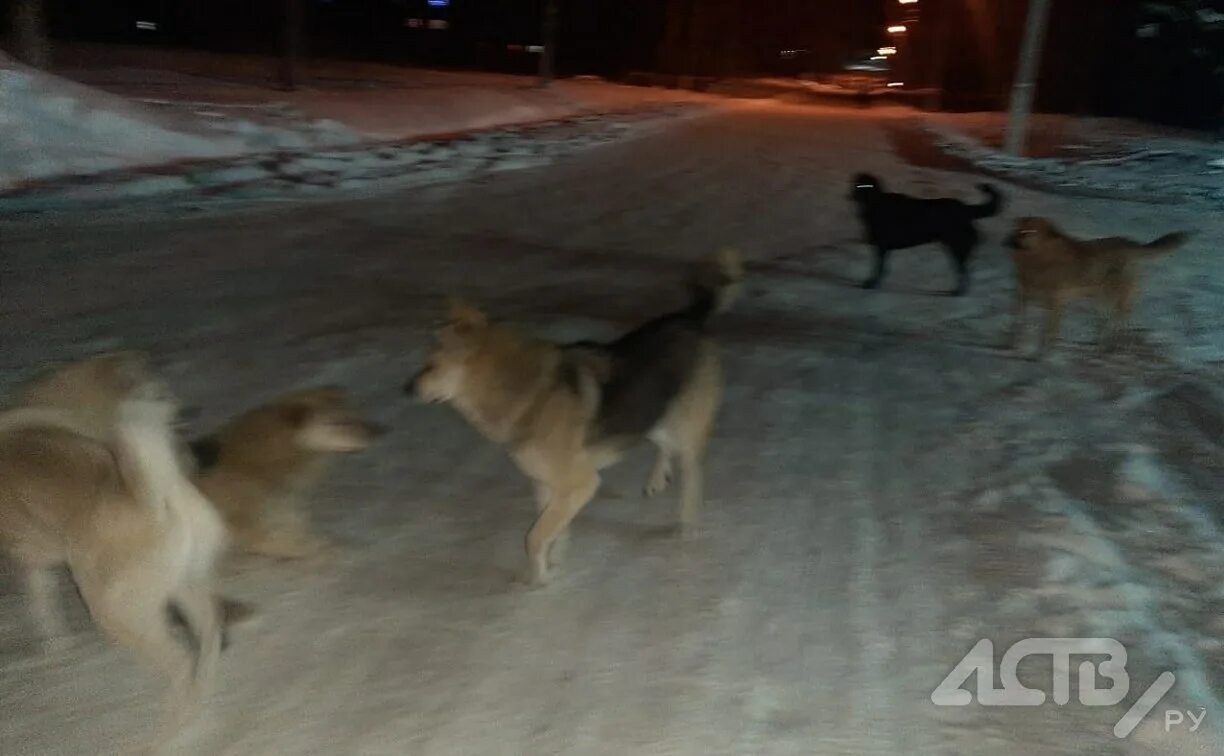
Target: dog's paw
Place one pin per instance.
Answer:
(530, 580)
(657, 484)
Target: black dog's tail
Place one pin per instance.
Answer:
(992, 205)
(716, 284)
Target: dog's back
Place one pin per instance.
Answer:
(898, 221)
(648, 367)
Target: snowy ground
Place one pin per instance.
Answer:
(1106, 157)
(885, 486)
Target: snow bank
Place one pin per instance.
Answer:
(1153, 168)
(50, 126)
(117, 115)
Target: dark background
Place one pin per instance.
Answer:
(1094, 62)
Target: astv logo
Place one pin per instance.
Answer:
(981, 661)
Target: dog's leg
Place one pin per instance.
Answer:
(200, 610)
(42, 588)
(960, 260)
(881, 264)
(661, 475)
(1117, 328)
(560, 544)
(287, 535)
(1053, 325)
(133, 615)
(565, 500)
(691, 487)
(1019, 311)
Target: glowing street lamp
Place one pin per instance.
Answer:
(886, 51)
(907, 2)
(897, 29)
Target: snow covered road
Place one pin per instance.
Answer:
(885, 486)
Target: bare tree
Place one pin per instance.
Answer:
(30, 43)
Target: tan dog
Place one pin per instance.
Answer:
(566, 412)
(1054, 270)
(260, 469)
(92, 389)
(115, 507)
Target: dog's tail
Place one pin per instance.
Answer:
(716, 284)
(1164, 245)
(992, 205)
(147, 449)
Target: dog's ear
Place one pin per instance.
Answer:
(466, 317)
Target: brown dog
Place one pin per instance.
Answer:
(1054, 270)
(566, 412)
(260, 469)
(109, 499)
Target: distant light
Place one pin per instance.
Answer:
(898, 29)
(879, 57)
(146, 25)
(535, 48)
(887, 51)
(907, 2)
(444, 3)
(896, 83)
(414, 23)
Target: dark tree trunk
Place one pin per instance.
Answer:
(292, 43)
(30, 43)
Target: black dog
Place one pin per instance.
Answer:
(896, 221)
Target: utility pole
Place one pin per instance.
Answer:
(1025, 84)
(548, 56)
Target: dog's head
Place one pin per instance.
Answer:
(1030, 232)
(322, 420)
(865, 185)
(456, 344)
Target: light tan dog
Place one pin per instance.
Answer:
(260, 469)
(566, 412)
(1053, 270)
(115, 507)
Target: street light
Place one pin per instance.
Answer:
(907, 2)
(886, 51)
(898, 29)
